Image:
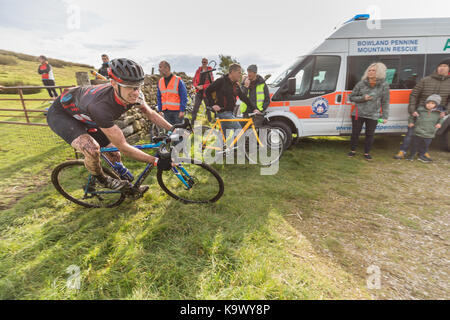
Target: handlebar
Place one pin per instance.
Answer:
(170, 136)
(263, 113)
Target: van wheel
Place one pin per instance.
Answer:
(287, 132)
(445, 140)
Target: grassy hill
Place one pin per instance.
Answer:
(309, 232)
(21, 69)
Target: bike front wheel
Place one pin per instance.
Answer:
(269, 151)
(76, 183)
(192, 182)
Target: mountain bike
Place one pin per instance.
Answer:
(189, 181)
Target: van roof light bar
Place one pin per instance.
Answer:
(359, 17)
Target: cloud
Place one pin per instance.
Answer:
(182, 31)
(53, 17)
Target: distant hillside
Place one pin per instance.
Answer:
(54, 62)
(18, 69)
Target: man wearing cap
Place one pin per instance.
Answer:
(255, 88)
(437, 83)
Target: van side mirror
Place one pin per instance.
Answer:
(291, 85)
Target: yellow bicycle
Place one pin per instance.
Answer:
(260, 142)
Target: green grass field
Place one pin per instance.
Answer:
(308, 232)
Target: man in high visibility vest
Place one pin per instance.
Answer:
(172, 95)
(255, 88)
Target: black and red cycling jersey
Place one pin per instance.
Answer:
(95, 106)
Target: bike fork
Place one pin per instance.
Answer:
(182, 176)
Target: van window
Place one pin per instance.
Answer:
(326, 72)
(316, 76)
(282, 75)
(303, 78)
(411, 71)
(403, 71)
(432, 62)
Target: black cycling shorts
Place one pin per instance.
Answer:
(69, 128)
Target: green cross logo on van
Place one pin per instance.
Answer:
(447, 45)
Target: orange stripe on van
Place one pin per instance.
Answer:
(302, 112)
(331, 97)
(276, 104)
(400, 96)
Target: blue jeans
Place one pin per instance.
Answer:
(407, 140)
(229, 125)
(421, 144)
(173, 117)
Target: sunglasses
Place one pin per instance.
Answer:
(131, 86)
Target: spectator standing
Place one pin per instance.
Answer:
(105, 65)
(226, 89)
(371, 97)
(171, 95)
(437, 83)
(424, 127)
(48, 79)
(255, 88)
(202, 80)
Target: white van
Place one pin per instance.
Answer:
(310, 98)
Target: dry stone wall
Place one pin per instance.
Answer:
(133, 123)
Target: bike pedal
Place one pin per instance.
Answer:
(137, 193)
(143, 189)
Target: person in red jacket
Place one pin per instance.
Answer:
(46, 71)
(202, 80)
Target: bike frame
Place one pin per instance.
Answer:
(179, 170)
(218, 123)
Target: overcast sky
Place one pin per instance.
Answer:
(268, 33)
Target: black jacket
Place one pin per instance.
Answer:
(252, 90)
(226, 93)
(104, 69)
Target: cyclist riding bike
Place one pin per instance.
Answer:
(84, 118)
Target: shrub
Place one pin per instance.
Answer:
(7, 60)
(17, 83)
(55, 63)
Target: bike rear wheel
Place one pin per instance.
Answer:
(204, 184)
(75, 183)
